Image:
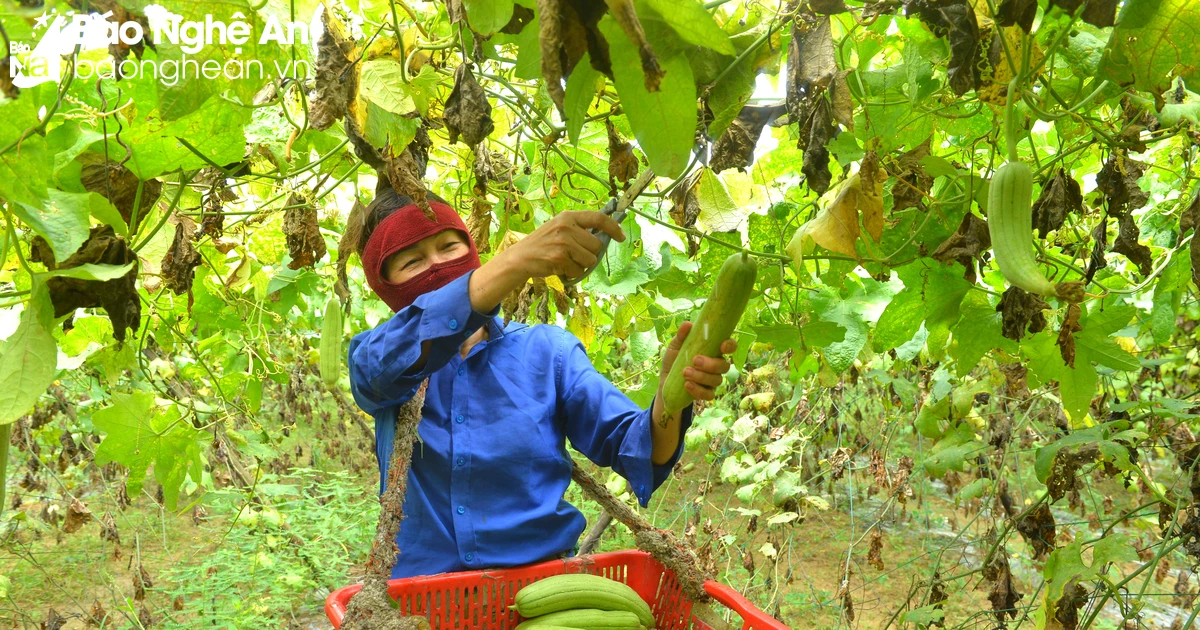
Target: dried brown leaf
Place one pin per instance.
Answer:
(954, 20)
(912, 182)
(1038, 529)
(117, 297)
(818, 131)
(119, 186)
(1017, 12)
(1118, 180)
(1066, 337)
(479, 224)
(305, 244)
(1002, 592)
(1060, 196)
(467, 112)
(78, 515)
(1127, 244)
(622, 163)
(735, 147)
(1021, 311)
(626, 16)
(875, 553)
(181, 259)
(966, 245)
(336, 81)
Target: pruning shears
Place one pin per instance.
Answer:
(616, 208)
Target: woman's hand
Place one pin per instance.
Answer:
(704, 375)
(563, 245)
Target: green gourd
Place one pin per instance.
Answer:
(580, 590)
(713, 325)
(585, 619)
(331, 342)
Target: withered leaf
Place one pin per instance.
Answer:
(1118, 180)
(1060, 196)
(566, 30)
(1066, 338)
(119, 186)
(98, 613)
(966, 245)
(816, 136)
(875, 553)
(117, 297)
(735, 147)
(181, 259)
(53, 621)
(1096, 260)
(479, 224)
(626, 16)
(1127, 244)
(840, 101)
(1021, 311)
(351, 236)
(847, 601)
(912, 182)
(305, 244)
(685, 207)
(78, 515)
(141, 582)
(1020, 12)
(1003, 593)
(404, 175)
(954, 20)
(870, 201)
(622, 163)
(467, 111)
(1038, 529)
(811, 62)
(336, 82)
(1066, 609)
(212, 221)
(836, 226)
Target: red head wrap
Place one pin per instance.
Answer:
(403, 228)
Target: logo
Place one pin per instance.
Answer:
(68, 33)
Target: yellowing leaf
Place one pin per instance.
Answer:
(836, 226)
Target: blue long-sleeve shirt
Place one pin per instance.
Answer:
(491, 465)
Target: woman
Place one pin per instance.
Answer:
(489, 472)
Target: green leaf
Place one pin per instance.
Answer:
(582, 86)
(140, 433)
(423, 88)
(488, 16)
(1105, 351)
(694, 24)
(25, 173)
(664, 122)
(900, 320)
(29, 358)
(382, 83)
(864, 304)
(386, 128)
(62, 221)
(718, 213)
(977, 332)
(952, 452)
(108, 214)
(1153, 41)
(1066, 563)
(924, 616)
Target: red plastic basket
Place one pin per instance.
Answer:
(479, 600)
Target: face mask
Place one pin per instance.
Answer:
(406, 227)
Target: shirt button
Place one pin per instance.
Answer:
(454, 324)
(462, 510)
(461, 461)
(470, 557)
(462, 371)
(459, 419)
(642, 489)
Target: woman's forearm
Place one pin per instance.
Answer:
(492, 282)
(664, 432)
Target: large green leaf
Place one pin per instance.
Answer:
(139, 432)
(977, 332)
(1153, 41)
(664, 122)
(693, 23)
(25, 172)
(488, 16)
(582, 86)
(382, 83)
(62, 220)
(28, 359)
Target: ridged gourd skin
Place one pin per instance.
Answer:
(580, 590)
(585, 619)
(330, 350)
(713, 325)
(1010, 223)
